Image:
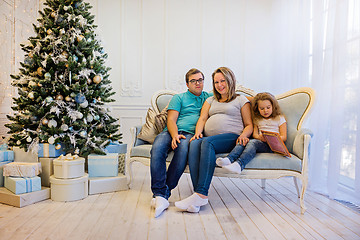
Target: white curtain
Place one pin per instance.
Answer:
(316, 43)
(334, 167)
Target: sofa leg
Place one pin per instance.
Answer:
(302, 195)
(296, 186)
(263, 183)
(130, 173)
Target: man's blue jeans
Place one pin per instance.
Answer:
(202, 159)
(162, 181)
(244, 156)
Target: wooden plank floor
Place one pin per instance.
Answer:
(237, 209)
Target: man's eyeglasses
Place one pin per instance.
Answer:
(193, 81)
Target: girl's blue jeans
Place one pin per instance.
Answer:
(244, 156)
(162, 181)
(202, 159)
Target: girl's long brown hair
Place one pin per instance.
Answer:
(262, 97)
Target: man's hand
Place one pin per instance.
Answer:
(176, 140)
(242, 140)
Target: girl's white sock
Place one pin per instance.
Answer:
(194, 200)
(223, 161)
(233, 168)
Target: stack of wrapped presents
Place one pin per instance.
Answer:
(107, 172)
(69, 181)
(6, 156)
(22, 177)
(20, 183)
(26, 178)
(46, 155)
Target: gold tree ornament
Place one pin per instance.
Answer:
(97, 79)
(32, 84)
(80, 38)
(49, 31)
(31, 95)
(59, 97)
(39, 71)
(45, 121)
(65, 54)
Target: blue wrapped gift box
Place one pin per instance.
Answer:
(49, 150)
(116, 147)
(1, 172)
(6, 155)
(19, 185)
(103, 165)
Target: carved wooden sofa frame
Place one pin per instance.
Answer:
(295, 105)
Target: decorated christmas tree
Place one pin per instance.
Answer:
(63, 84)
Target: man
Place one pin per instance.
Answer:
(183, 113)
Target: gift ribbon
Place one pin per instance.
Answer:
(68, 157)
(46, 149)
(6, 155)
(28, 184)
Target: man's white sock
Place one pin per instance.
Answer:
(194, 200)
(233, 168)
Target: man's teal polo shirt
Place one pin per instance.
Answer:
(189, 106)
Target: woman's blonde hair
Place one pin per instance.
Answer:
(231, 82)
(262, 97)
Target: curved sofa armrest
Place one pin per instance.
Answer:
(300, 144)
(135, 141)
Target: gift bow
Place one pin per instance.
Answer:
(68, 157)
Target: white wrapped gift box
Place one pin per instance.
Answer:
(107, 184)
(103, 165)
(69, 167)
(1, 172)
(47, 169)
(63, 190)
(21, 156)
(22, 200)
(6, 155)
(22, 169)
(19, 185)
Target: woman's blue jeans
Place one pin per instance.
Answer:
(162, 181)
(202, 159)
(244, 156)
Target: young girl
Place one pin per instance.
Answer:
(267, 116)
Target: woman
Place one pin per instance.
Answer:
(226, 121)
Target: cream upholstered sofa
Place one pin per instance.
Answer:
(295, 105)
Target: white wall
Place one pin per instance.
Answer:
(152, 43)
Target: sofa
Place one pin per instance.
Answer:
(295, 105)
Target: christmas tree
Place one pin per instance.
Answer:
(63, 84)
